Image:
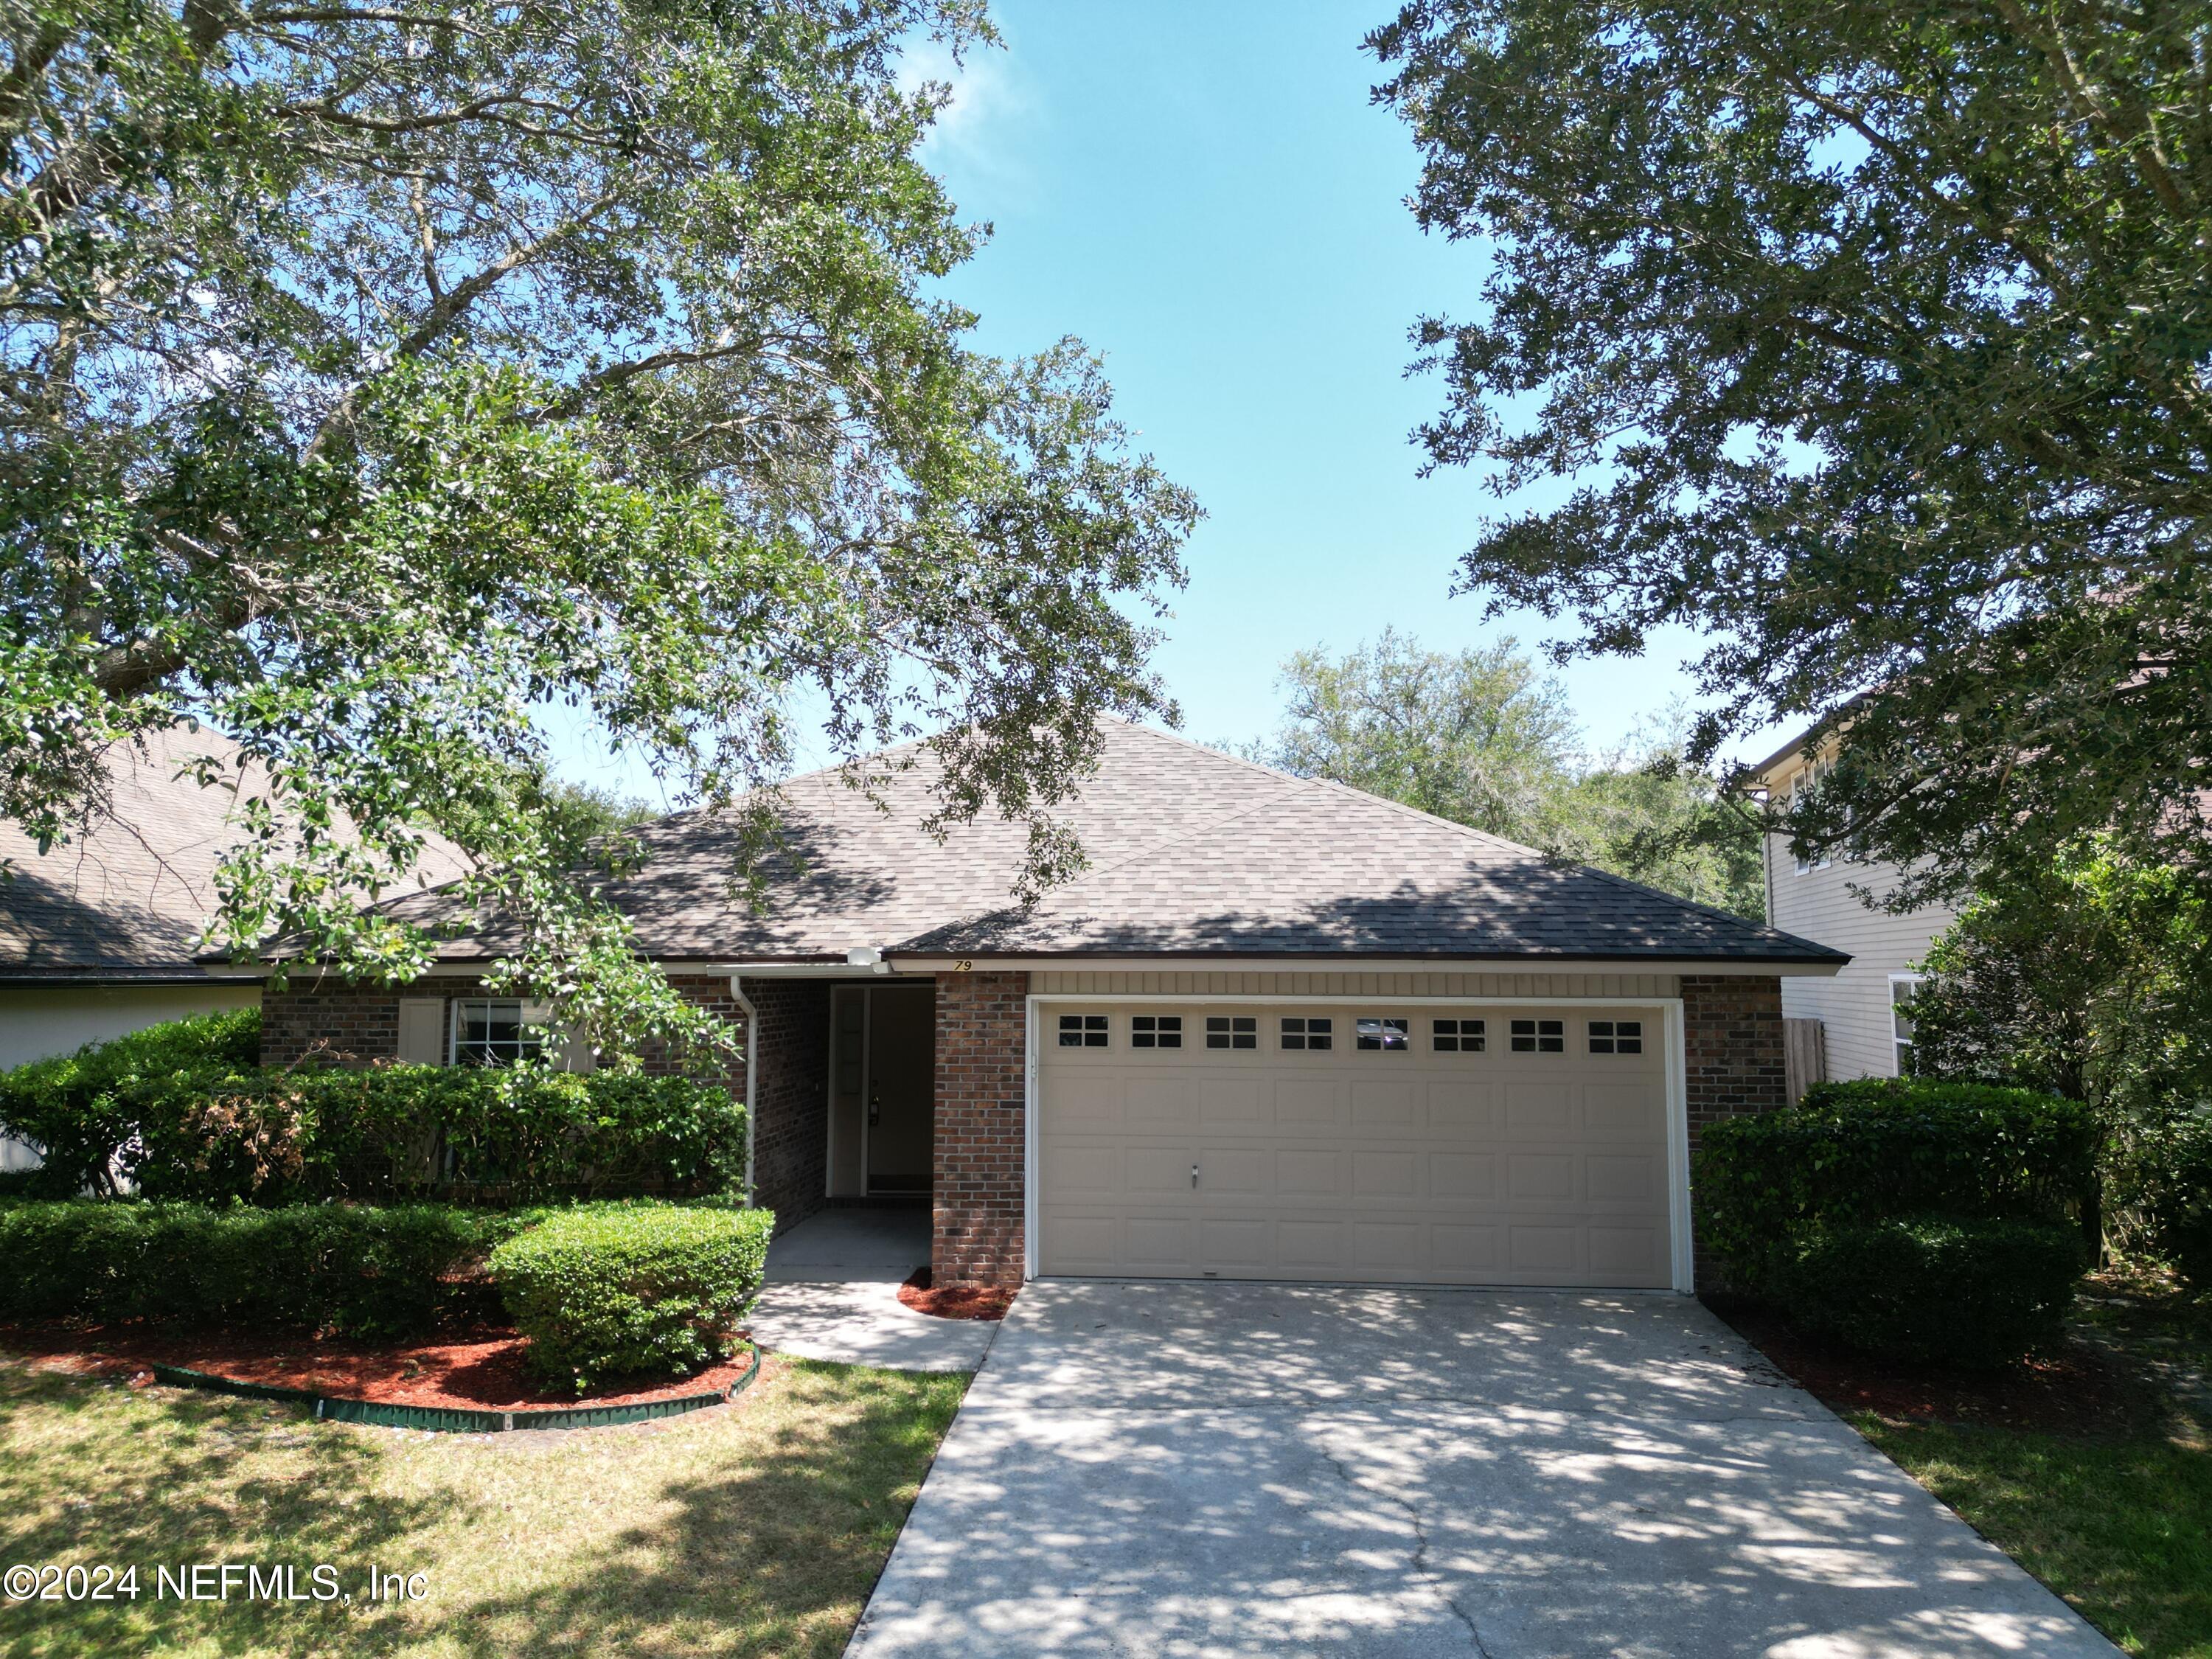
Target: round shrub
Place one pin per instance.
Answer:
(1947, 1290)
(607, 1290)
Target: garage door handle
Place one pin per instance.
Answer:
(1194, 1174)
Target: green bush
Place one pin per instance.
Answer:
(183, 1112)
(607, 1290)
(78, 1109)
(1878, 1148)
(1975, 1293)
(353, 1269)
(2164, 1181)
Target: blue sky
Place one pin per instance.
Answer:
(1204, 194)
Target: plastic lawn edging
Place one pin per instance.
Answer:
(458, 1419)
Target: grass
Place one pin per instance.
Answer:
(754, 1529)
(2121, 1529)
(2120, 1526)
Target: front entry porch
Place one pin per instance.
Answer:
(881, 1083)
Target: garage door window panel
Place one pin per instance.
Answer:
(1616, 1036)
(1083, 1031)
(1232, 1030)
(1457, 1036)
(1387, 1034)
(1539, 1037)
(1309, 1033)
(1156, 1031)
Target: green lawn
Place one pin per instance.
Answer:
(2122, 1529)
(755, 1528)
(2120, 1525)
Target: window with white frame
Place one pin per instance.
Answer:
(1616, 1036)
(1309, 1031)
(1156, 1030)
(1232, 1030)
(1083, 1030)
(1386, 1034)
(1807, 780)
(1457, 1036)
(1901, 987)
(498, 1030)
(1539, 1037)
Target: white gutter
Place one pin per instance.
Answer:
(752, 1075)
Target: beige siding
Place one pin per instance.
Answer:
(36, 1022)
(1356, 985)
(1854, 1006)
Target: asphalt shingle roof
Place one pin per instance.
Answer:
(1193, 853)
(131, 896)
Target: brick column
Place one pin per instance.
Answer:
(1732, 1053)
(978, 1187)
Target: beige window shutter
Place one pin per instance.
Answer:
(422, 1030)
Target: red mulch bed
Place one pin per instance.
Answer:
(955, 1301)
(2076, 1391)
(480, 1369)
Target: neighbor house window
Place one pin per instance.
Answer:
(497, 1030)
(1539, 1037)
(1232, 1030)
(1616, 1036)
(1382, 1034)
(1083, 1030)
(1307, 1031)
(1457, 1036)
(1901, 987)
(1807, 782)
(1156, 1030)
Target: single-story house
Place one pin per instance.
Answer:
(98, 935)
(1278, 1029)
(1851, 1022)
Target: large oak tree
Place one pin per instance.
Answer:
(375, 377)
(1873, 340)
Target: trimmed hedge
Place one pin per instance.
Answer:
(182, 1112)
(606, 1290)
(1930, 1221)
(352, 1269)
(1947, 1290)
(78, 1109)
(1878, 1148)
(496, 1133)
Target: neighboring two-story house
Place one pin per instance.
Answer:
(1851, 1024)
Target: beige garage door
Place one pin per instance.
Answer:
(1426, 1144)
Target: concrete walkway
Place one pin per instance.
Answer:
(833, 1294)
(1218, 1470)
(851, 1245)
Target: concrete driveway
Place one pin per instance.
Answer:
(1214, 1470)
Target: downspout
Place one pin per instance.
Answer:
(752, 1074)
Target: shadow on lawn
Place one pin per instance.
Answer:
(162, 1487)
(776, 1556)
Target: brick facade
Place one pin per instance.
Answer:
(791, 1135)
(1732, 1053)
(327, 1022)
(981, 1159)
